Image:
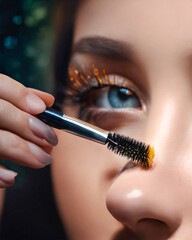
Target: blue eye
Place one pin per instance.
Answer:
(116, 97)
(122, 98)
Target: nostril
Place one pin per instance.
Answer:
(150, 229)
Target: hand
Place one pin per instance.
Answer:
(24, 139)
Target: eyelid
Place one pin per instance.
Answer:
(120, 81)
(81, 82)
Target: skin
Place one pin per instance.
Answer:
(94, 199)
(16, 135)
(17, 105)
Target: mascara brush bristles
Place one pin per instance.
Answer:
(137, 151)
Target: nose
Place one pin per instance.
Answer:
(155, 203)
(148, 208)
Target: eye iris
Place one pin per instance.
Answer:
(122, 98)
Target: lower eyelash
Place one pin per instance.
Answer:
(109, 118)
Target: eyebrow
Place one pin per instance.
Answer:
(104, 47)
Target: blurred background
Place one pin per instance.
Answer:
(26, 45)
(26, 54)
(26, 40)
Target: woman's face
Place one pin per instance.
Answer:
(145, 46)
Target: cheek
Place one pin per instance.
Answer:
(82, 173)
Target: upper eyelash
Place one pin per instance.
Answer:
(79, 83)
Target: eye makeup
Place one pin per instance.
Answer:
(95, 91)
(101, 94)
(78, 82)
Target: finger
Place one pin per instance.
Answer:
(46, 97)
(18, 150)
(25, 125)
(6, 184)
(48, 149)
(17, 94)
(7, 177)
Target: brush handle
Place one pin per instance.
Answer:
(73, 125)
(52, 117)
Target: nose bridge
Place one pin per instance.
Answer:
(169, 120)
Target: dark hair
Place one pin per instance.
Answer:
(63, 49)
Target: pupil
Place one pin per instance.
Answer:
(123, 94)
(122, 98)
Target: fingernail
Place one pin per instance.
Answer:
(7, 175)
(34, 103)
(40, 155)
(42, 130)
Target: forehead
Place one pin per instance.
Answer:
(163, 23)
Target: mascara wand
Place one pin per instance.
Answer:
(137, 151)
